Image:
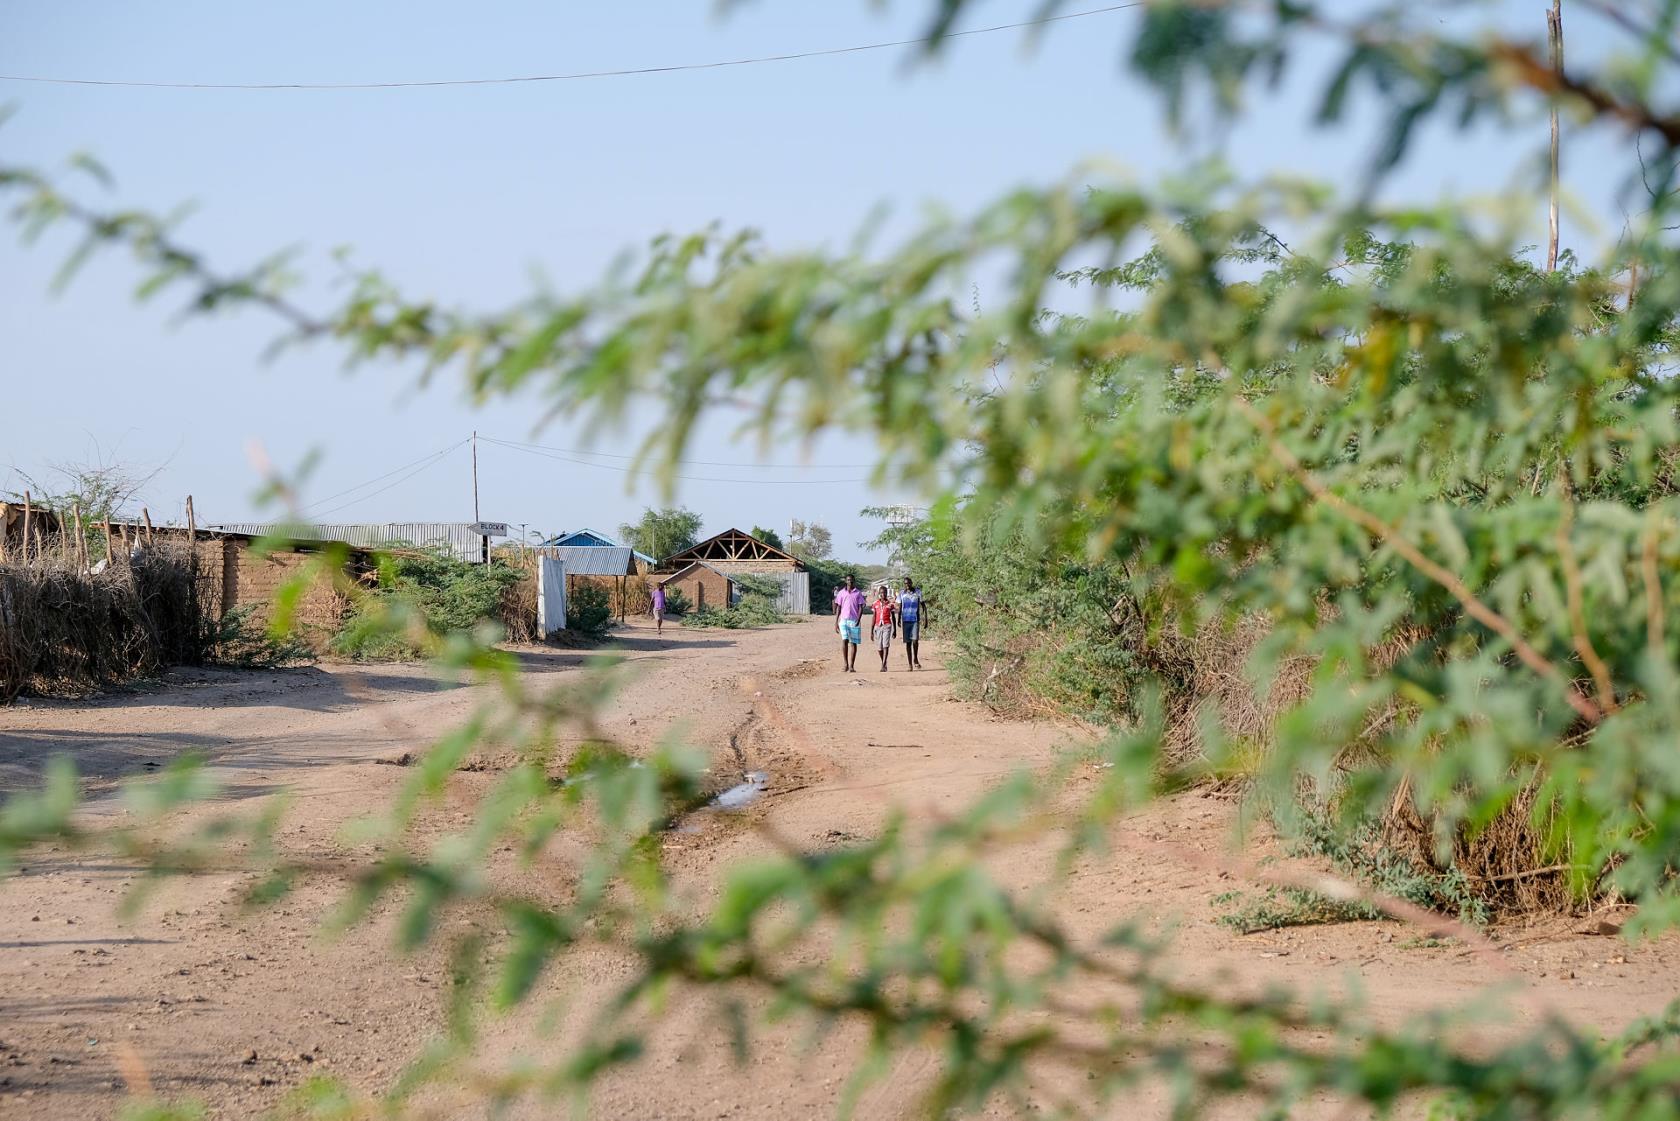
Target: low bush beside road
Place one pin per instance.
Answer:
(422, 595)
(756, 607)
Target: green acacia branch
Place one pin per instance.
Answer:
(1450, 581)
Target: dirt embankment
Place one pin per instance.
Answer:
(204, 1000)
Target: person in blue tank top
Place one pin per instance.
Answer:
(912, 613)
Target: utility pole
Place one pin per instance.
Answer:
(1554, 34)
(475, 473)
(484, 554)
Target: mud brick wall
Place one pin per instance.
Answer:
(258, 580)
(703, 587)
(232, 571)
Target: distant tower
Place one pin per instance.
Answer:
(898, 517)
(902, 515)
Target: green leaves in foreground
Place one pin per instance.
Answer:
(1356, 507)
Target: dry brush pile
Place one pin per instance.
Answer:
(66, 630)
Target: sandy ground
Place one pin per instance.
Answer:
(203, 1000)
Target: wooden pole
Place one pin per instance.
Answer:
(146, 516)
(28, 517)
(81, 542)
(1554, 33)
(110, 546)
(192, 555)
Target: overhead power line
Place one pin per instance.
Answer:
(791, 56)
(425, 459)
(753, 465)
(430, 461)
(685, 478)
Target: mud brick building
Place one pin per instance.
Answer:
(709, 574)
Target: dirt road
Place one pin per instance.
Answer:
(202, 1000)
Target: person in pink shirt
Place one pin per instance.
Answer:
(848, 622)
(659, 607)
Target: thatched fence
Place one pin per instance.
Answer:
(89, 604)
(64, 629)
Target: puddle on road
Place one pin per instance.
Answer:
(733, 800)
(741, 795)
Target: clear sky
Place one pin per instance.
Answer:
(462, 193)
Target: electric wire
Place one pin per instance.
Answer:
(381, 478)
(693, 462)
(576, 75)
(430, 461)
(685, 478)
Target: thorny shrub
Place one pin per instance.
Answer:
(243, 639)
(588, 609)
(755, 606)
(440, 595)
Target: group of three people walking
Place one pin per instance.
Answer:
(886, 616)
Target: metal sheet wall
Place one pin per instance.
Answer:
(794, 597)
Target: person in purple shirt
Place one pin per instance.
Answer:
(659, 607)
(848, 622)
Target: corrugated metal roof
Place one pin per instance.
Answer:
(455, 537)
(593, 560)
(570, 537)
(599, 541)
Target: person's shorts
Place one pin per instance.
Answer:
(851, 631)
(912, 629)
(658, 615)
(883, 637)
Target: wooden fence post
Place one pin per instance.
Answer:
(146, 516)
(192, 557)
(28, 516)
(81, 542)
(1554, 35)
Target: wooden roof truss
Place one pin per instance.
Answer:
(731, 545)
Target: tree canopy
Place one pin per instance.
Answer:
(811, 540)
(659, 533)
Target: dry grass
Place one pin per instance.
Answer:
(1506, 862)
(519, 607)
(1214, 681)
